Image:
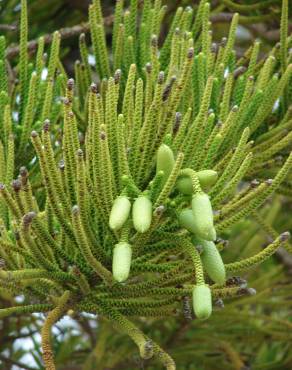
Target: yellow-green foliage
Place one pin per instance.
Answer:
(157, 114)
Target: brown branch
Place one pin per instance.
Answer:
(11, 338)
(8, 27)
(221, 17)
(66, 33)
(10, 361)
(85, 326)
(269, 35)
(226, 17)
(178, 334)
(285, 258)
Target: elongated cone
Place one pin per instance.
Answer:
(202, 301)
(122, 261)
(142, 214)
(119, 213)
(212, 261)
(203, 217)
(207, 178)
(186, 220)
(165, 160)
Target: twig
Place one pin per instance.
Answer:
(85, 326)
(285, 258)
(225, 17)
(221, 17)
(66, 32)
(269, 35)
(10, 338)
(16, 363)
(8, 27)
(178, 334)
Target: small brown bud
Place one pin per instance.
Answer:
(177, 122)
(219, 303)
(117, 76)
(70, 84)
(214, 48)
(76, 271)
(190, 53)
(66, 101)
(23, 171)
(251, 291)
(285, 236)
(62, 165)
(16, 185)
(167, 88)
(239, 71)
(269, 182)
(160, 78)
(46, 125)
(187, 310)
(27, 218)
(148, 67)
(93, 88)
(223, 42)
(154, 41)
(75, 210)
(80, 153)
(254, 183)
(159, 210)
(148, 349)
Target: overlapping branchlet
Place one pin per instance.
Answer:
(117, 207)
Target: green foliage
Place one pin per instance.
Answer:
(185, 110)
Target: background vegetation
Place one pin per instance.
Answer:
(252, 331)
